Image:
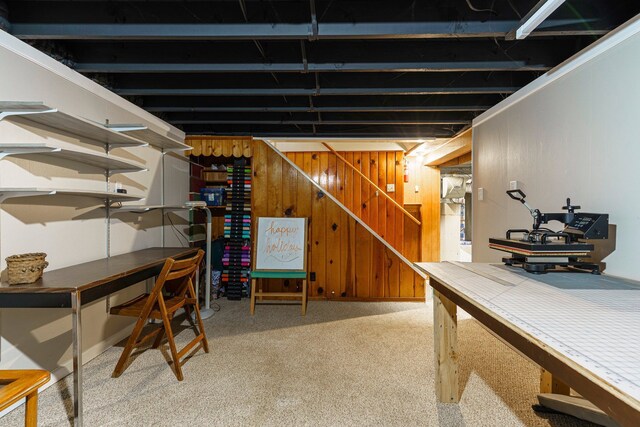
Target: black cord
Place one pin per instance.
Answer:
(480, 10)
(177, 232)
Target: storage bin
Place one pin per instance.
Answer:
(213, 196)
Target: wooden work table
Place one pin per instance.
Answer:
(71, 287)
(582, 328)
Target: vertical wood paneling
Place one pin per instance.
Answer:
(430, 214)
(332, 174)
(366, 188)
(419, 286)
(356, 206)
(383, 216)
(318, 241)
(373, 202)
(315, 167)
(391, 211)
(236, 147)
(382, 201)
(393, 275)
(227, 148)
(307, 163)
(274, 189)
(400, 217)
(348, 183)
(260, 180)
(274, 200)
(289, 188)
(363, 261)
(379, 276)
(348, 261)
(333, 230)
(340, 166)
(406, 280)
(324, 169)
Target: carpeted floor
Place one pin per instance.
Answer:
(343, 364)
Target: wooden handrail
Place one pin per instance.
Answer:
(398, 205)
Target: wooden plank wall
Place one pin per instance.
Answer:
(349, 262)
(219, 146)
(427, 180)
(358, 195)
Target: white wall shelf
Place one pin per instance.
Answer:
(52, 118)
(147, 208)
(108, 196)
(111, 165)
(143, 133)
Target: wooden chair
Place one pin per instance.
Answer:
(19, 384)
(172, 291)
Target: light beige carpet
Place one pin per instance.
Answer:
(344, 364)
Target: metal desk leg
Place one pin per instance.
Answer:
(207, 312)
(76, 333)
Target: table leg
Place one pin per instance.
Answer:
(551, 384)
(445, 346)
(76, 332)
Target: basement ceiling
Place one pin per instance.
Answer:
(318, 68)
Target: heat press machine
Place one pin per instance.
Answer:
(541, 249)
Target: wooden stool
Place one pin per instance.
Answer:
(257, 275)
(19, 384)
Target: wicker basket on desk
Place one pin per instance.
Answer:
(25, 268)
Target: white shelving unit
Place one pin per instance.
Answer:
(111, 165)
(39, 114)
(107, 196)
(164, 142)
(147, 208)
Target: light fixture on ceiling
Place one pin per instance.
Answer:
(539, 13)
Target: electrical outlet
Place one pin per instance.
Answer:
(416, 189)
(514, 185)
(391, 188)
(480, 194)
(312, 276)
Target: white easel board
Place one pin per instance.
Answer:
(281, 244)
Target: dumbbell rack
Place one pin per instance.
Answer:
(237, 230)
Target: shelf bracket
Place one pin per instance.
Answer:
(4, 152)
(125, 127)
(4, 114)
(5, 196)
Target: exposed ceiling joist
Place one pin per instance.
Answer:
(337, 109)
(321, 122)
(316, 92)
(402, 69)
(298, 31)
(304, 67)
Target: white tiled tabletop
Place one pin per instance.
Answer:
(593, 320)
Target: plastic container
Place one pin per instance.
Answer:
(213, 196)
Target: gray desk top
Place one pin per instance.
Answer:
(82, 277)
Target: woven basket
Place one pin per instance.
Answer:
(25, 268)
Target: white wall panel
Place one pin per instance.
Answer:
(576, 136)
(69, 229)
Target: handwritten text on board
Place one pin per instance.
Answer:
(281, 243)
